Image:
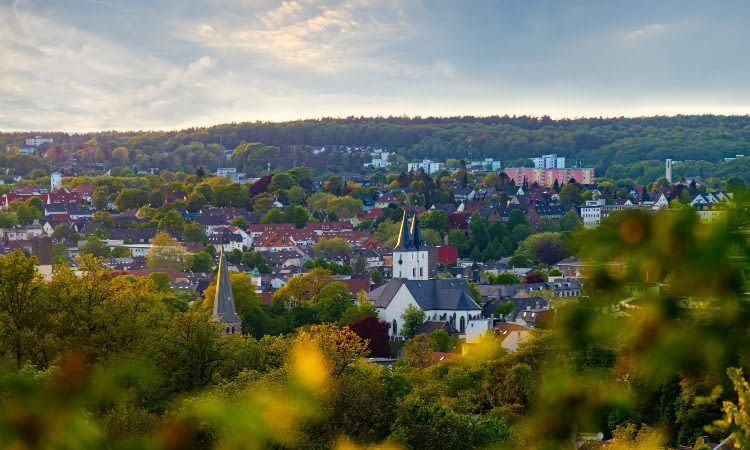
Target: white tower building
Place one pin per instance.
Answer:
(410, 256)
(668, 170)
(55, 180)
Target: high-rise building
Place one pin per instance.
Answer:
(551, 161)
(55, 181)
(547, 177)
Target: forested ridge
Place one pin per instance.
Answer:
(618, 148)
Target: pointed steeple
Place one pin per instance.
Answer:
(224, 309)
(416, 233)
(404, 236)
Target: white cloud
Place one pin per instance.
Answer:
(327, 39)
(646, 32)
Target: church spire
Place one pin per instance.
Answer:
(224, 309)
(416, 233)
(404, 236)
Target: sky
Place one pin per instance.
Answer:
(168, 64)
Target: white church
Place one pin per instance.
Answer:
(442, 300)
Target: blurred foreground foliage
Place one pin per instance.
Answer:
(652, 355)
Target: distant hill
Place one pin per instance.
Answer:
(616, 147)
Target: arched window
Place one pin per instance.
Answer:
(395, 328)
(463, 324)
(227, 330)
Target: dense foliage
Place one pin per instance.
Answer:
(619, 148)
(102, 361)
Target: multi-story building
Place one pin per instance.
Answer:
(427, 165)
(379, 160)
(488, 164)
(594, 211)
(37, 141)
(551, 161)
(547, 177)
(229, 172)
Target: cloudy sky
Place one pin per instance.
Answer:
(163, 64)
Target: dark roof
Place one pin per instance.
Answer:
(410, 236)
(404, 236)
(434, 325)
(447, 294)
(224, 309)
(527, 304)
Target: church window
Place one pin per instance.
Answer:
(413, 272)
(421, 271)
(463, 324)
(395, 329)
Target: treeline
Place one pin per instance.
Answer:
(592, 142)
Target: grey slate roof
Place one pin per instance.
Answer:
(447, 294)
(433, 325)
(224, 310)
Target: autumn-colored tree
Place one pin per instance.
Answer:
(341, 347)
(418, 351)
(303, 288)
(333, 245)
(166, 252)
(22, 306)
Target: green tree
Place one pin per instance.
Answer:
(171, 219)
(344, 207)
(95, 247)
(547, 247)
(131, 199)
(330, 303)
(569, 221)
(120, 156)
(434, 220)
(161, 280)
(297, 215)
(100, 197)
(191, 351)
(570, 194)
(27, 213)
(296, 195)
(194, 232)
(420, 422)
(413, 317)
(65, 231)
(202, 262)
(8, 220)
(104, 218)
(281, 182)
(441, 341)
(22, 309)
(515, 218)
(273, 216)
(332, 245)
(240, 222)
(121, 252)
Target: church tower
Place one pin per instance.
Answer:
(410, 259)
(224, 310)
